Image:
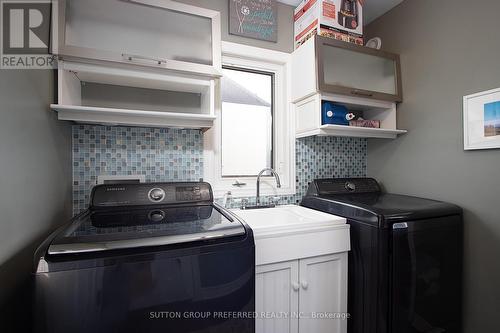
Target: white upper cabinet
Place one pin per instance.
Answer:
(361, 73)
(364, 80)
(327, 66)
(147, 63)
(154, 33)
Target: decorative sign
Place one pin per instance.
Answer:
(253, 18)
(482, 120)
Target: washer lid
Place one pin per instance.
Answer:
(378, 209)
(132, 228)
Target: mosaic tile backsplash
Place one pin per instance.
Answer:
(165, 154)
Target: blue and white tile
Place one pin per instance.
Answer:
(163, 155)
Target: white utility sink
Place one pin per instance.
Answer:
(292, 232)
(286, 219)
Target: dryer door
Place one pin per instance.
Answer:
(426, 275)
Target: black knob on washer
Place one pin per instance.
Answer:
(156, 194)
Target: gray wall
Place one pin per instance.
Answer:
(449, 48)
(285, 25)
(35, 184)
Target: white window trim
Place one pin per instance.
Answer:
(239, 55)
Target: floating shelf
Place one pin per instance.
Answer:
(72, 103)
(309, 122)
(352, 131)
(126, 117)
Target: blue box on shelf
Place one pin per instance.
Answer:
(335, 114)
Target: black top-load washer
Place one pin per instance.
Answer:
(405, 263)
(159, 257)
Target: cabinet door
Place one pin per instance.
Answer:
(357, 70)
(323, 283)
(164, 34)
(276, 294)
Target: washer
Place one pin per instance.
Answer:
(405, 263)
(159, 257)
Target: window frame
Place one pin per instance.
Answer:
(263, 60)
(271, 74)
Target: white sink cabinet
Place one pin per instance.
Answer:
(301, 269)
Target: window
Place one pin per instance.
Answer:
(255, 127)
(247, 121)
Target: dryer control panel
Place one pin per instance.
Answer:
(343, 186)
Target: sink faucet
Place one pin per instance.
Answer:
(278, 182)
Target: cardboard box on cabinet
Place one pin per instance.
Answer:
(339, 19)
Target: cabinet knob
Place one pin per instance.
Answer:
(304, 285)
(295, 286)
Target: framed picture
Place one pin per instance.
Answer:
(482, 120)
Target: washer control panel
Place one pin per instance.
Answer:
(144, 194)
(189, 193)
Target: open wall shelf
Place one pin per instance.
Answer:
(308, 117)
(153, 99)
(352, 131)
(126, 117)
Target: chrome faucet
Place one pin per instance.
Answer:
(273, 173)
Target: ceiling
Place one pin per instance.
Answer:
(371, 10)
